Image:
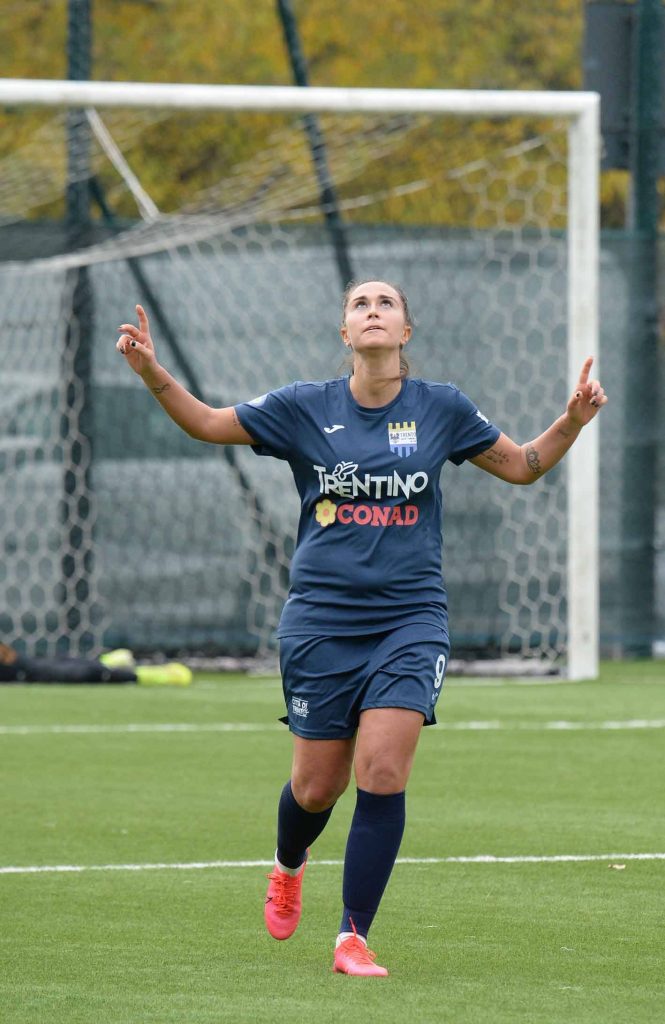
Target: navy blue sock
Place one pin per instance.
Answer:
(376, 832)
(296, 828)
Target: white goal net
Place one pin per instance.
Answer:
(207, 206)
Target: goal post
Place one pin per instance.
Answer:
(576, 228)
(583, 465)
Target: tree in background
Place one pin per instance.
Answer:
(490, 44)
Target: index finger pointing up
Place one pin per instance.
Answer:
(584, 372)
(143, 318)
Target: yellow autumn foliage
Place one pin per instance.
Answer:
(489, 44)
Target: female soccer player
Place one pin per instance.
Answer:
(363, 634)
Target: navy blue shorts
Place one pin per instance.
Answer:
(328, 681)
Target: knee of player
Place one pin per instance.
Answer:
(316, 795)
(381, 775)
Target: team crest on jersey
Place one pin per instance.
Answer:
(402, 438)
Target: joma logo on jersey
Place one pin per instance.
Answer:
(402, 438)
(346, 483)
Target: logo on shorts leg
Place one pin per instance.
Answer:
(300, 707)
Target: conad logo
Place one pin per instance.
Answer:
(366, 515)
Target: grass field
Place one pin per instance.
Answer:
(145, 807)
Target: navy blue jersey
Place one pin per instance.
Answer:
(368, 553)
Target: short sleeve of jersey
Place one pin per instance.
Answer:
(271, 420)
(473, 432)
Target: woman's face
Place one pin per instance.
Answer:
(375, 319)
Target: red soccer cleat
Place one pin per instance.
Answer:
(283, 902)
(353, 957)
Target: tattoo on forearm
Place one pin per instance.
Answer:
(160, 389)
(533, 460)
(494, 455)
(565, 433)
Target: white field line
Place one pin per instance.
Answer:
(243, 727)
(138, 727)
(563, 858)
(207, 682)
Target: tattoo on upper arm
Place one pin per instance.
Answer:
(234, 417)
(160, 389)
(494, 455)
(533, 460)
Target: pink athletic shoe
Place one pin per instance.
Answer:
(283, 902)
(353, 957)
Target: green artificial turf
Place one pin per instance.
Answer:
(542, 942)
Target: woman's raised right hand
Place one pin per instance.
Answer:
(135, 344)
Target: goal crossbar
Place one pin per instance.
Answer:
(481, 102)
(581, 112)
